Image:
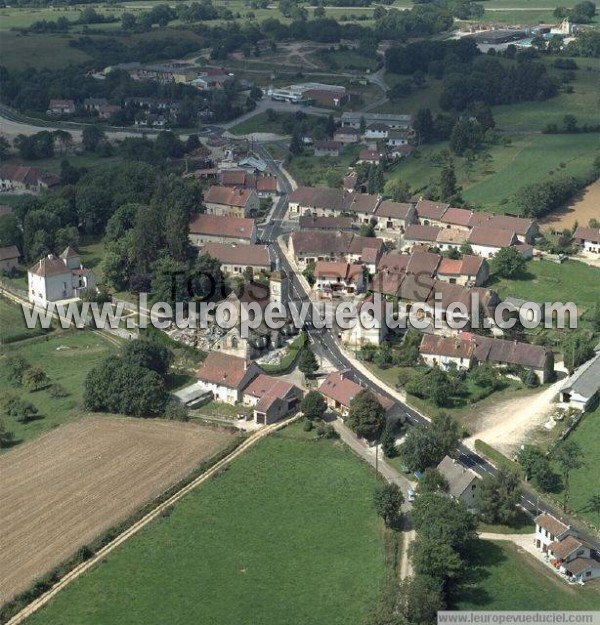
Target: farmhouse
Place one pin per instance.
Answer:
(363, 205)
(525, 229)
(548, 530)
(61, 107)
(588, 239)
(583, 387)
(9, 258)
(458, 218)
(397, 138)
(237, 258)
(430, 213)
(487, 241)
(231, 202)
(312, 222)
(226, 376)
(394, 217)
(370, 157)
(94, 104)
(449, 238)
(417, 234)
(234, 178)
(310, 247)
(318, 201)
(447, 352)
(328, 98)
(377, 130)
(339, 390)
(53, 279)
(462, 482)
(339, 277)
(271, 398)
(22, 179)
(221, 229)
(266, 186)
(328, 148)
(468, 271)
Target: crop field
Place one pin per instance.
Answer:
(61, 491)
(287, 535)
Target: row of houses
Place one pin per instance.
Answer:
(469, 350)
(24, 179)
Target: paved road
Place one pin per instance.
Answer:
(329, 344)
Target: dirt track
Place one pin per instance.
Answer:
(59, 492)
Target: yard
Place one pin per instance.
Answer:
(66, 357)
(547, 281)
(501, 578)
(585, 482)
(287, 535)
(322, 170)
(262, 123)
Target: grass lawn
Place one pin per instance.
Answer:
(491, 186)
(547, 281)
(585, 482)
(286, 535)
(66, 357)
(261, 123)
(502, 578)
(39, 51)
(346, 59)
(92, 255)
(521, 525)
(426, 97)
(322, 170)
(12, 323)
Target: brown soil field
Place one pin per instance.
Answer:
(59, 492)
(583, 207)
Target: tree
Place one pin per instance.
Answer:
(421, 598)
(498, 496)
(424, 125)
(366, 230)
(439, 561)
(35, 378)
(313, 406)
(432, 481)
(10, 232)
(398, 190)
(22, 410)
(15, 366)
(119, 387)
(6, 437)
(465, 135)
(366, 416)
(296, 143)
(443, 519)
(175, 410)
(509, 263)
(388, 499)
(448, 188)
(388, 442)
(192, 143)
(596, 317)
(330, 125)
(568, 455)
(92, 137)
(307, 362)
(4, 148)
(427, 446)
(148, 354)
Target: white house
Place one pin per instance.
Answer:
(271, 398)
(53, 279)
(549, 529)
(583, 386)
(588, 239)
(487, 241)
(226, 376)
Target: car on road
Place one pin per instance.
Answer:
(412, 495)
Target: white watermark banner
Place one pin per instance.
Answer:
(522, 616)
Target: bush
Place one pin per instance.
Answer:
(57, 391)
(307, 426)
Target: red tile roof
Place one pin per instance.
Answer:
(491, 237)
(396, 210)
(468, 265)
(416, 232)
(393, 262)
(217, 225)
(268, 390)
(244, 255)
(448, 346)
(233, 178)
(228, 196)
(267, 184)
(49, 266)
(224, 369)
(587, 234)
(426, 209)
(371, 156)
(30, 176)
(340, 388)
(457, 216)
(520, 225)
(552, 524)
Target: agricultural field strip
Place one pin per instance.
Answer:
(64, 489)
(151, 516)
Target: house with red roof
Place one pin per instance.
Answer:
(23, 179)
(469, 270)
(271, 398)
(339, 278)
(226, 376)
(237, 258)
(588, 239)
(222, 229)
(339, 390)
(232, 202)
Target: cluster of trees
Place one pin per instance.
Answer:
(540, 198)
(551, 473)
(580, 13)
(132, 383)
(313, 408)
(570, 126)
(62, 24)
(426, 446)
(404, 355)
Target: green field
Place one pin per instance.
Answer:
(547, 281)
(286, 535)
(585, 482)
(66, 357)
(12, 323)
(502, 578)
(261, 123)
(320, 170)
(38, 51)
(491, 185)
